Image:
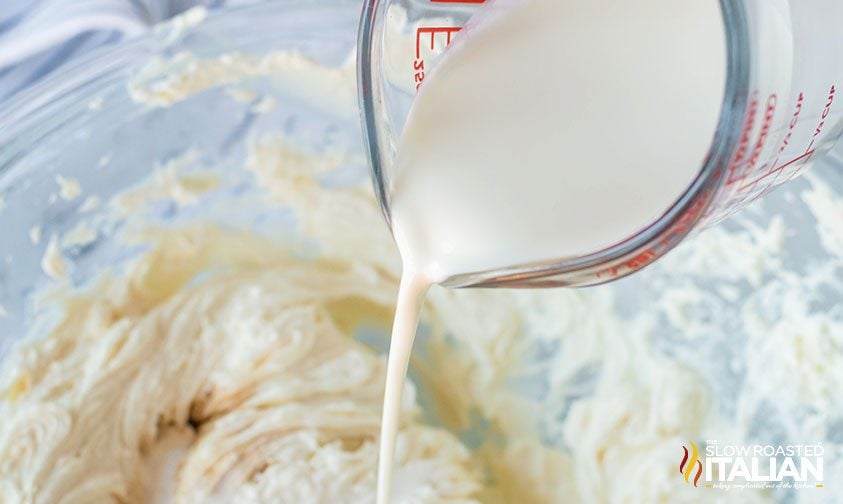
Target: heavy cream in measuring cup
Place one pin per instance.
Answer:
(554, 129)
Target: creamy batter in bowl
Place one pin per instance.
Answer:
(191, 250)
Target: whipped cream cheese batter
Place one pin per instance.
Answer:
(220, 367)
(273, 400)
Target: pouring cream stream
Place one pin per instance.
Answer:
(553, 130)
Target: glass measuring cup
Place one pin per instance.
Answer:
(781, 113)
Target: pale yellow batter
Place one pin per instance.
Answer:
(252, 369)
(221, 367)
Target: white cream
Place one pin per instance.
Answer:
(556, 129)
(551, 129)
(411, 295)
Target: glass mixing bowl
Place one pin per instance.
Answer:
(83, 124)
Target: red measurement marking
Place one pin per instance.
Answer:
(772, 185)
(670, 238)
(763, 135)
(798, 170)
(832, 92)
(433, 31)
(793, 122)
(743, 145)
(826, 112)
(777, 169)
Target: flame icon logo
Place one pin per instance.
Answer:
(691, 461)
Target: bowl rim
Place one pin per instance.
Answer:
(72, 85)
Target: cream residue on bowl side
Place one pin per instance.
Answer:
(69, 188)
(53, 263)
